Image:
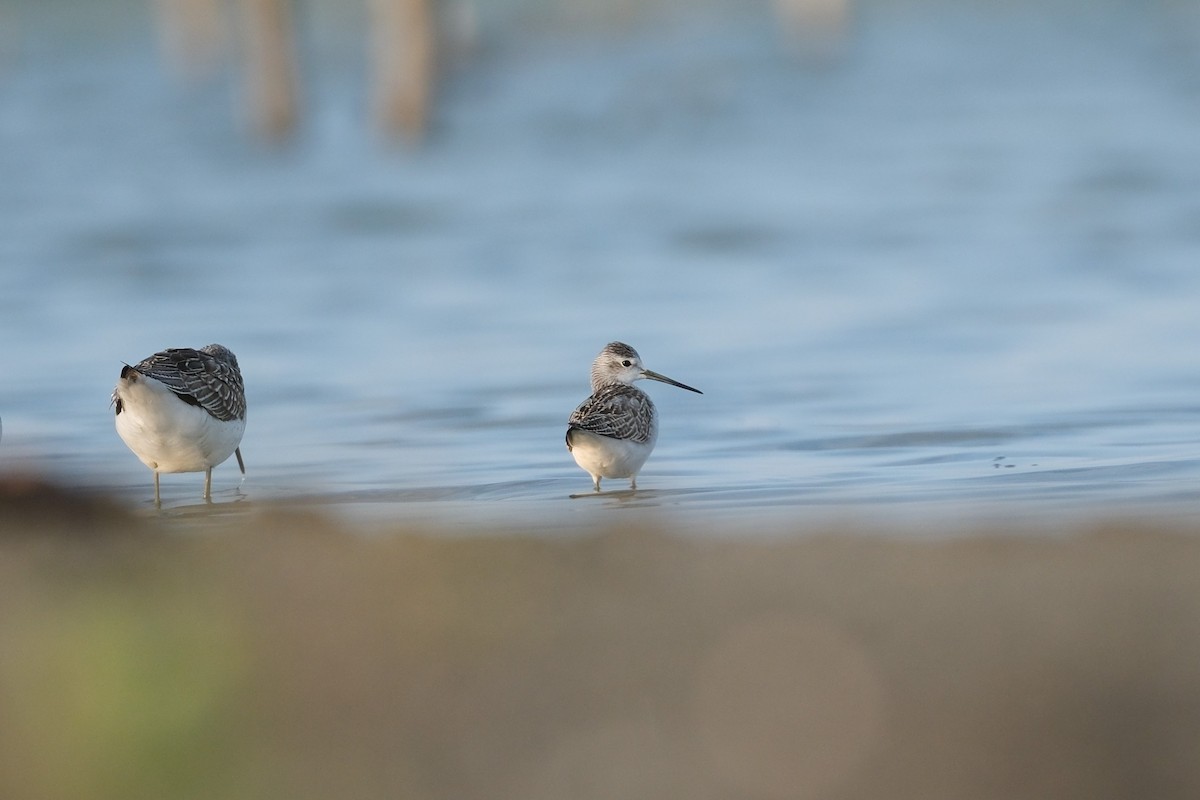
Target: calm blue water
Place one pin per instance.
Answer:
(952, 273)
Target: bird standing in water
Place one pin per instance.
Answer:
(183, 410)
(612, 433)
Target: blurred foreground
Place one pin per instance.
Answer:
(276, 654)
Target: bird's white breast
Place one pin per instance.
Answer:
(609, 457)
(169, 435)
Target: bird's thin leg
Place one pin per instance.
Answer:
(208, 484)
(157, 499)
(596, 482)
(633, 482)
(237, 451)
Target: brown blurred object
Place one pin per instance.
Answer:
(815, 29)
(193, 35)
(31, 505)
(279, 654)
(403, 58)
(269, 58)
(403, 63)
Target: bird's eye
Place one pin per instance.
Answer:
(626, 363)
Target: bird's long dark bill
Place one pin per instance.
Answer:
(654, 376)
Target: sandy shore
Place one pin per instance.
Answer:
(279, 655)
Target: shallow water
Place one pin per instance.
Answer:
(950, 273)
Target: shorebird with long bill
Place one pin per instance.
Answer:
(612, 433)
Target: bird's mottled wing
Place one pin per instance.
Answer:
(618, 411)
(208, 378)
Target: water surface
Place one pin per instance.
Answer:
(949, 273)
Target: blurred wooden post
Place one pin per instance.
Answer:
(192, 36)
(269, 60)
(402, 65)
(403, 58)
(814, 27)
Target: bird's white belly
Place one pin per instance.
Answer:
(609, 457)
(169, 435)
